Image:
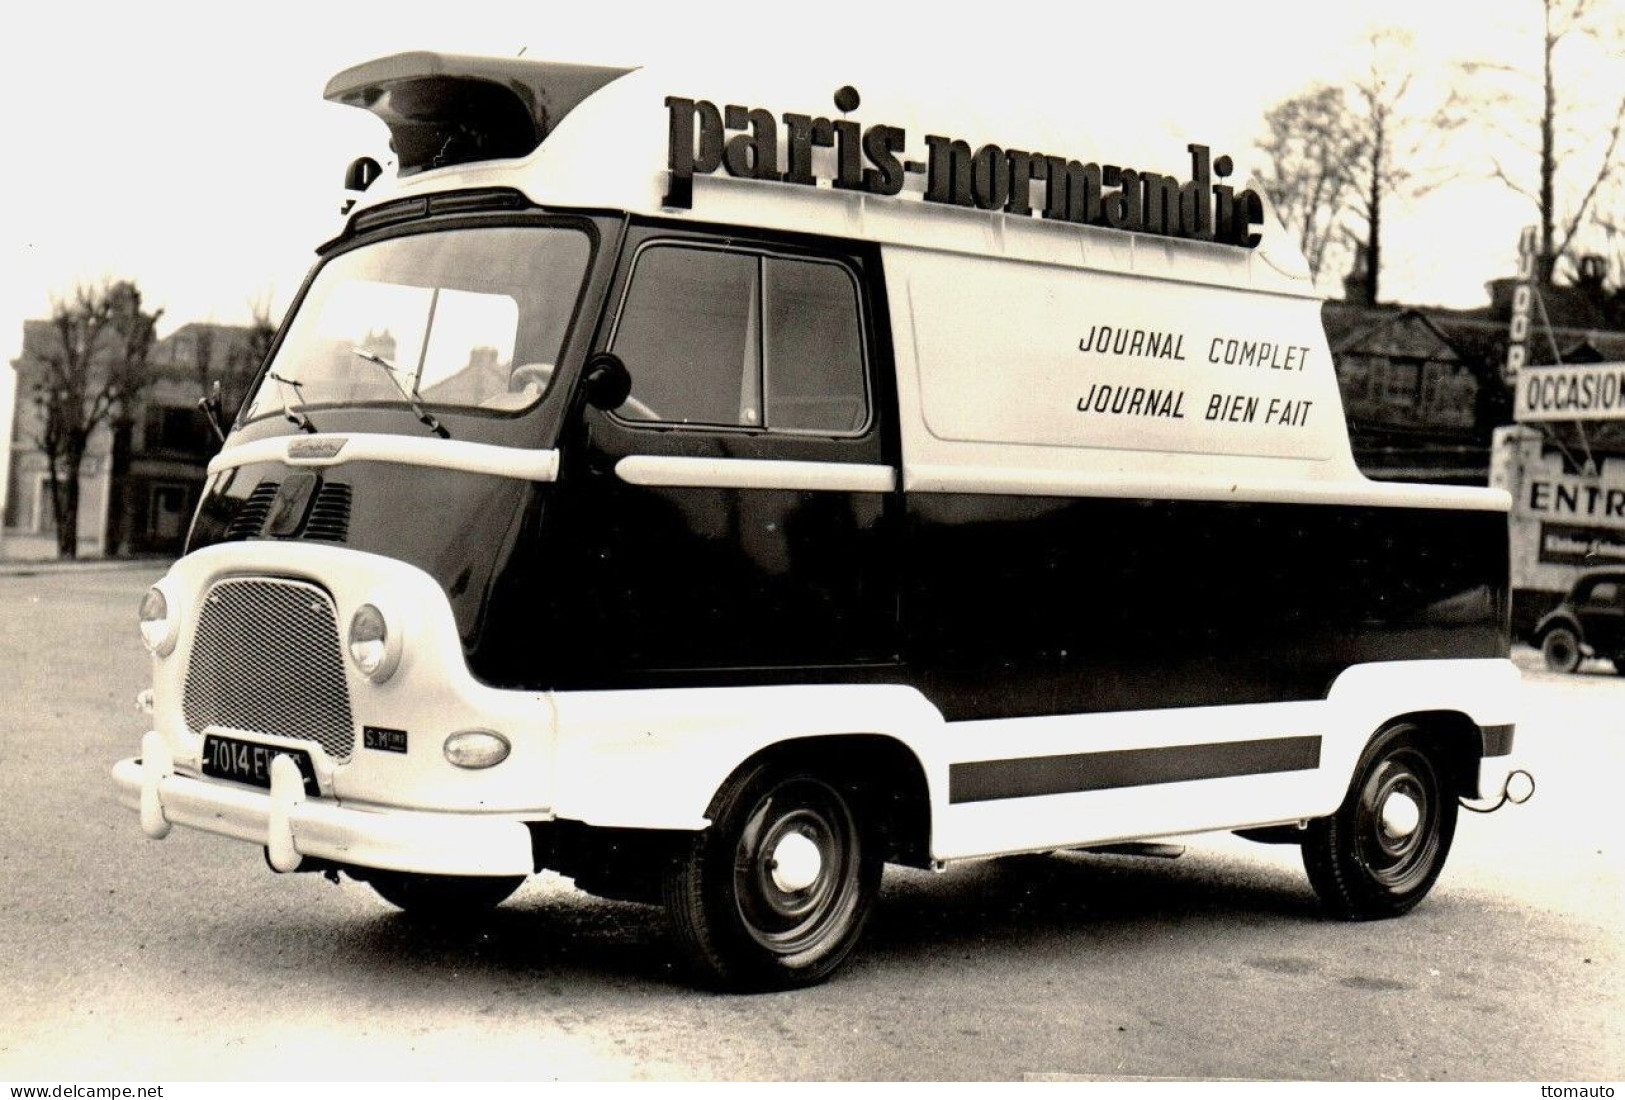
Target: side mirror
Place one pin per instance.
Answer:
(361, 173)
(606, 384)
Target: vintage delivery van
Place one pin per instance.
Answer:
(712, 490)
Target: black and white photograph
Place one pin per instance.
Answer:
(710, 541)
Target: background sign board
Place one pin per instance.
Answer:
(1568, 497)
(1523, 296)
(1595, 391)
(1562, 523)
(1565, 545)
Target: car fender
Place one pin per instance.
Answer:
(1558, 617)
(653, 759)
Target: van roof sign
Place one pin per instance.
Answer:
(745, 143)
(444, 109)
(1186, 214)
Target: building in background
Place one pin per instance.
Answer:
(1423, 389)
(1411, 397)
(141, 477)
(1426, 401)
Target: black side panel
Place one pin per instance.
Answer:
(658, 582)
(1050, 605)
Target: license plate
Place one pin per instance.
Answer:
(250, 762)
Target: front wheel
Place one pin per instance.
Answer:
(775, 893)
(441, 897)
(1381, 852)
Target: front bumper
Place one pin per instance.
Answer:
(292, 826)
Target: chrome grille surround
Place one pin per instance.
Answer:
(266, 659)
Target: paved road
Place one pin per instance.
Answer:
(186, 959)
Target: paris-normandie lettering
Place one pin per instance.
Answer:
(744, 142)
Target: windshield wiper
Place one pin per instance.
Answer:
(391, 371)
(291, 412)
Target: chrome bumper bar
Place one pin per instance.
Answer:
(291, 825)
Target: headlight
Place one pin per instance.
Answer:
(477, 749)
(158, 624)
(373, 648)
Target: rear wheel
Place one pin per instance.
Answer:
(441, 897)
(1561, 649)
(1384, 848)
(775, 893)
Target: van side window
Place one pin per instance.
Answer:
(813, 346)
(741, 339)
(687, 336)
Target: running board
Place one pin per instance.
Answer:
(1136, 848)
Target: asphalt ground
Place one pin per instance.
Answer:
(186, 959)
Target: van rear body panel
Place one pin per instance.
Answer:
(1052, 605)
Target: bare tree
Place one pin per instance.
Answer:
(231, 364)
(256, 348)
(1392, 129)
(202, 349)
(1561, 127)
(96, 367)
(1336, 158)
(1307, 151)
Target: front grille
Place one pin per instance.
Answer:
(266, 659)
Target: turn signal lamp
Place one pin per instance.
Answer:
(477, 749)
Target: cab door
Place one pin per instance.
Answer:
(735, 520)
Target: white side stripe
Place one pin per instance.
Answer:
(920, 478)
(525, 464)
(752, 473)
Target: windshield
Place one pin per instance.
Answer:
(471, 318)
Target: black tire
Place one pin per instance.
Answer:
(1365, 869)
(741, 925)
(1619, 665)
(441, 897)
(1561, 648)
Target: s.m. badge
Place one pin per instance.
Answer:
(385, 740)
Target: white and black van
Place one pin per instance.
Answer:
(715, 489)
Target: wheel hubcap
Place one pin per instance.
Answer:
(1400, 815)
(795, 863)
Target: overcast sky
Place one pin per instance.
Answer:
(188, 146)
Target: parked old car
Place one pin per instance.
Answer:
(1590, 622)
